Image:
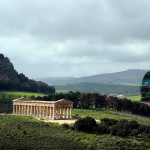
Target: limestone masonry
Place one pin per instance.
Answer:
(61, 109)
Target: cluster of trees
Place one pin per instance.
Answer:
(11, 80)
(122, 128)
(95, 101)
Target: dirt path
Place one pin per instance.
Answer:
(57, 121)
(61, 121)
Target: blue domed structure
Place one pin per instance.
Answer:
(145, 88)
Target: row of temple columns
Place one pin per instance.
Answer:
(44, 111)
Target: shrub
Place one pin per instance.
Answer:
(102, 128)
(113, 129)
(135, 132)
(86, 124)
(108, 121)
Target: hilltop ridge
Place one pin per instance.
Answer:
(10, 79)
(123, 82)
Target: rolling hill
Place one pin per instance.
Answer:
(125, 82)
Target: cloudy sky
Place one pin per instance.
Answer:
(57, 38)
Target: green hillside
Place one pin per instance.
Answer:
(22, 132)
(10, 79)
(100, 88)
(127, 77)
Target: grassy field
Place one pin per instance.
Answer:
(15, 94)
(134, 98)
(22, 132)
(99, 114)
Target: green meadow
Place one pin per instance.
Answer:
(16, 94)
(99, 114)
(134, 98)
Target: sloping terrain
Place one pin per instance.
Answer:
(10, 79)
(128, 77)
(125, 82)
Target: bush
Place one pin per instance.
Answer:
(86, 124)
(108, 121)
(113, 130)
(102, 128)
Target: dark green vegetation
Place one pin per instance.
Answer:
(126, 82)
(21, 132)
(97, 101)
(122, 128)
(11, 80)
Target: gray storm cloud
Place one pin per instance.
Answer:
(75, 38)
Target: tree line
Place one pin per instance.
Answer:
(98, 101)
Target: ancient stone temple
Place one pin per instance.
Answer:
(61, 109)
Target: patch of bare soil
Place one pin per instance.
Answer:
(71, 121)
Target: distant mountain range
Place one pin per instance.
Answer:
(124, 82)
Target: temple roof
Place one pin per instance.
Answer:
(27, 100)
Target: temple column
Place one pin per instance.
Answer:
(41, 111)
(27, 109)
(24, 109)
(21, 109)
(50, 112)
(34, 110)
(53, 112)
(64, 112)
(70, 112)
(17, 109)
(24, 112)
(60, 113)
(13, 109)
(38, 110)
(67, 112)
(47, 112)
